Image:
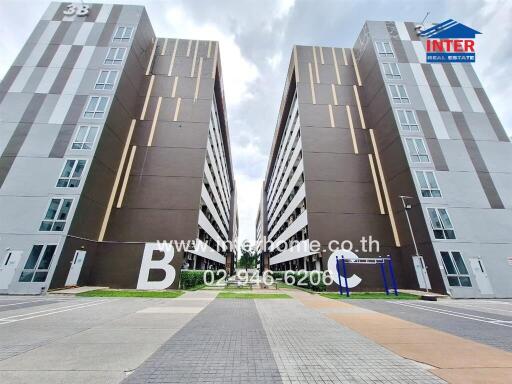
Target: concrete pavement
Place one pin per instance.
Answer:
(273, 341)
(88, 340)
(198, 339)
(485, 321)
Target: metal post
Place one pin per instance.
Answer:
(410, 226)
(347, 289)
(412, 233)
(392, 273)
(383, 272)
(339, 277)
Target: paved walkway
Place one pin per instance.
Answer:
(455, 359)
(199, 339)
(273, 341)
(61, 339)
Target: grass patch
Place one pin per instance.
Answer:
(371, 295)
(131, 293)
(236, 295)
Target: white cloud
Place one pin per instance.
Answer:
(275, 60)
(238, 72)
(284, 7)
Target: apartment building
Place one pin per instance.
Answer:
(111, 140)
(360, 127)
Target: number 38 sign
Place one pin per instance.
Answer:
(76, 9)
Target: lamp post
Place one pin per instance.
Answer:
(407, 206)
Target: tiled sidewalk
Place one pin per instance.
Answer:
(272, 341)
(225, 343)
(309, 348)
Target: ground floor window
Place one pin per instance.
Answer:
(456, 271)
(38, 263)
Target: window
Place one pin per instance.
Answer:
(428, 184)
(85, 137)
(456, 271)
(96, 107)
(441, 223)
(106, 80)
(398, 94)
(417, 150)
(407, 120)
(384, 49)
(123, 34)
(56, 215)
(391, 71)
(115, 55)
(38, 263)
(71, 174)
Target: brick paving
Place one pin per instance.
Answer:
(309, 348)
(225, 343)
(273, 341)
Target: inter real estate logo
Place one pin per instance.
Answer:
(450, 42)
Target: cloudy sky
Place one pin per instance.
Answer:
(256, 38)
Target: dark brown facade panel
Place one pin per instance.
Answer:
(89, 215)
(161, 161)
(377, 108)
(99, 185)
(172, 134)
(150, 225)
(119, 265)
(336, 167)
(334, 140)
(325, 227)
(109, 148)
(393, 158)
(367, 63)
(373, 84)
(385, 131)
(341, 197)
(71, 245)
(164, 193)
(119, 119)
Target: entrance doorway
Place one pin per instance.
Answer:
(75, 269)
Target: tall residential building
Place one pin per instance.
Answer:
(358, 128)
(111, 140)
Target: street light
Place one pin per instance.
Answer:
(408, 206)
